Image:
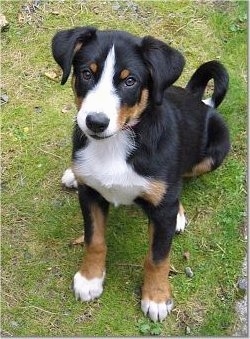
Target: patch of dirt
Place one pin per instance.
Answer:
(28, 13)
(221, 4)
(192, 317)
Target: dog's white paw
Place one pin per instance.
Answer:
(68, 179)
(87, 289)
(156, 311)
(181, 223)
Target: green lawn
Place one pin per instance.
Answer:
(40, 218)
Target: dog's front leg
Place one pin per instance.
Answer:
(156, 292)
(88, 281)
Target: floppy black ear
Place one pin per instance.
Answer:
(64, 45)
(165, 64)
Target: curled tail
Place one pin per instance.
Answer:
(207, 71)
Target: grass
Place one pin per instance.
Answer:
(39, 218)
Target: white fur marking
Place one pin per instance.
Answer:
(68, 179)
(156, 311)
(102, 165)
(209, 102)
(87, 289)
(180, 222)
(102, 99)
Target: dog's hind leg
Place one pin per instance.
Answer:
(217, 147)
(202, 167)
(218, 141)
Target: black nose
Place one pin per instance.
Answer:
(97, 122)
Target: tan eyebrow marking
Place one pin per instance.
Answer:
(93, 66)
(124, 74)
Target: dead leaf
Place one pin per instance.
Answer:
(4, 99)
(4, 23)
(186, 255)
(78, 241)
(67, 108)
(52, 75)
(173, 270)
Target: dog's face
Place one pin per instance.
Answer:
(111, 84)
(115, 76)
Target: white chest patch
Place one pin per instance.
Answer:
(102, 165)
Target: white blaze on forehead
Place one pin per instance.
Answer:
(103, 97)
(105, 83)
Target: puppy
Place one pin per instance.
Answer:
(135, 137)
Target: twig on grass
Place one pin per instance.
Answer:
(220, 248)
(130, 265)
(10, 296)
(54, 155)
(40, 309)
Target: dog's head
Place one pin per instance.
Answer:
(115, 75)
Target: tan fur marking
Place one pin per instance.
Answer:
(93, 66)
(124, 74)
(156, 286)
(203, 167)
(93, 265)
(78, 100)
(155, 192)
(77, 47)
(127, 113)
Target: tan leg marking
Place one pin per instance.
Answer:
(155, 192)
(203, 167)
(93, 265)
(156, 285)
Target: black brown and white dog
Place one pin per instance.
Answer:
(135, 137)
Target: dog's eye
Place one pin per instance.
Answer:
(86, 74)
(130, 81)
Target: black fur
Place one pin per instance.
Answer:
(64, 43)
(161, 60)
(88, 197)
(175, 132)
(209, 70)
